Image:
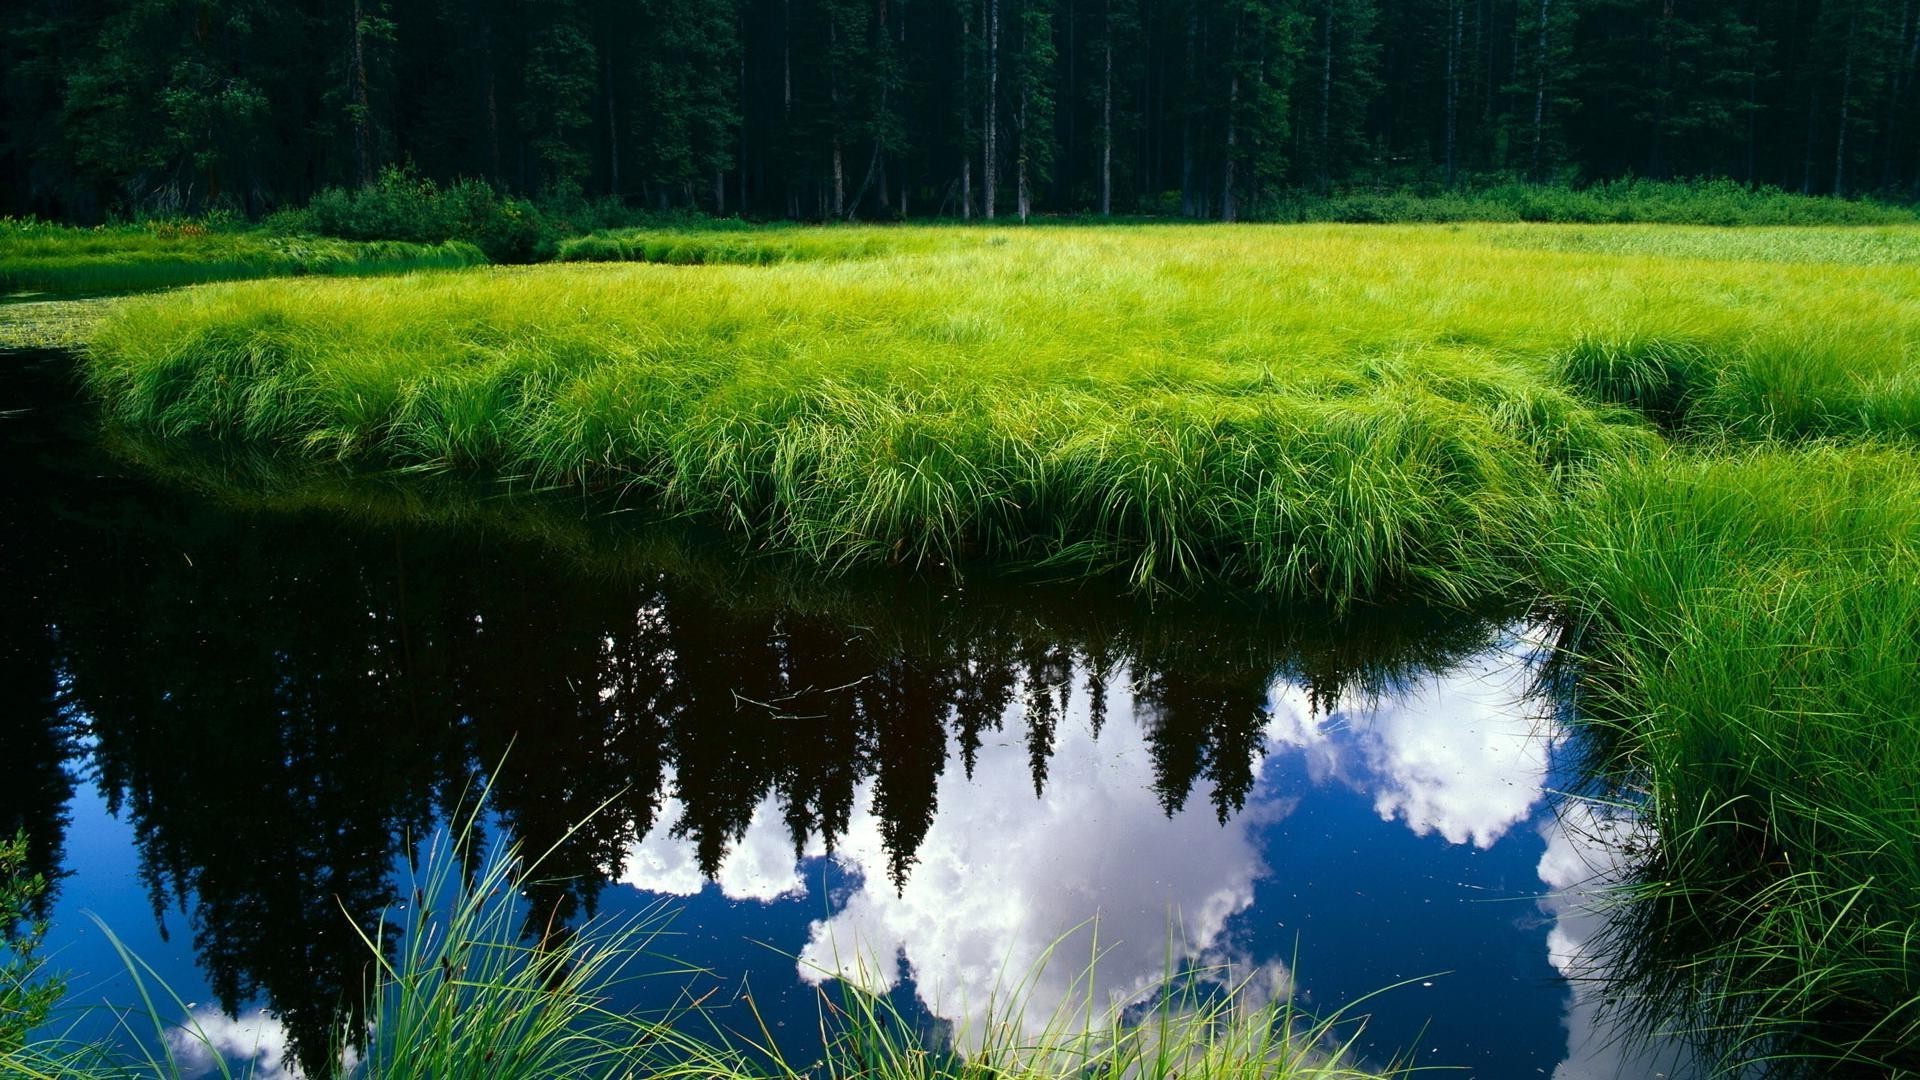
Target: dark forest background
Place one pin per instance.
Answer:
(893, 108)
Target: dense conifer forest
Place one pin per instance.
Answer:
(878, 109)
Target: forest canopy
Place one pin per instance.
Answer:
(904, 108)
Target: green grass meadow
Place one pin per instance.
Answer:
(1695, 444)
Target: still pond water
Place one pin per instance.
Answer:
(225, 716)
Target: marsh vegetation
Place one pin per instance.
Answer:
(1693, 446)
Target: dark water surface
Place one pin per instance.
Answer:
(230, 703)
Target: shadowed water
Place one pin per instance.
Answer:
(235, 698)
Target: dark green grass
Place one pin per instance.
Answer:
(41, 258)
(1752, 664)
(1622, 202)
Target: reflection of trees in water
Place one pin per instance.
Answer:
(280, 700)
(36, 737)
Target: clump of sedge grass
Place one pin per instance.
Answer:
(1752, 634)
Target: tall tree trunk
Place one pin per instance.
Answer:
(989, 165)
(1023, 197)
(833, 75)
(1454, 16)
(1106, 125)
(1326, 105)
(362, 101)
(493, 104)
(741, 29)
(1846, 104)
(1189, 198)
(1806, 158)
(1540, 90)
(613, 125)
(966, 111)
(1229, 211)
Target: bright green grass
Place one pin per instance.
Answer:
(42, 258)
(1308, 410)
(753, 247)
(1753, 664)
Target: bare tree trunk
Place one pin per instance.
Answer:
(1228, 211)
(989, 166)
(966, 110)
(1189, 201)
(833, 71)
(493, 104)
(741, 29)
(1326, 105)
(719, 192)
(1455, 14)
(1806, 157)
(1846, 104)
(362, 101)
(613, 128)
(1540, 89)
(1106, 125)
(1023, 198)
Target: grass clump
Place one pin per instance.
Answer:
(1752, 634)
(45, 258)
(1619, 202)
(751, 246)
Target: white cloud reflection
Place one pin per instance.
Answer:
(760, 866)
(1587, 851)
(1004, 878)
(252, 1044)
(1462, 753)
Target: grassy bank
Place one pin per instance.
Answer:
(1309, 411)
(1752, 632)
(36, 257)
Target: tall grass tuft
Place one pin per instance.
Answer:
(1752, 633)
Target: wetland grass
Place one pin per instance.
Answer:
(1701, 451)
(62, 260)
(1751, 642)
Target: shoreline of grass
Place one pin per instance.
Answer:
(58, 260)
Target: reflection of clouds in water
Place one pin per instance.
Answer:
(252, 1044)
(1462, 753)
(760, 866)
(1587, 850)
(1003, 877)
